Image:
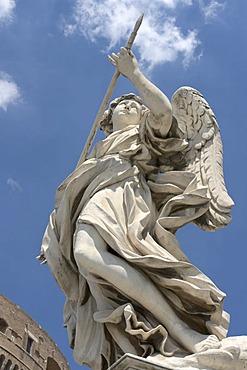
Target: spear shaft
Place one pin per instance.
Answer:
(107, 96)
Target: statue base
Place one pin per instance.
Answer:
(132, 362)
(231, 355)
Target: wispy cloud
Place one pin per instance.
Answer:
(9, 91)
(165, 43)
(6, 10)
(212, 9)
(14, 185)
(174, 3)
(160, 38)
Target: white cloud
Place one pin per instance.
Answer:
(211, 9)
(159, 39)
(9, 91)
(6, 10)
(174, 3)
(14, 185)
(165, 42)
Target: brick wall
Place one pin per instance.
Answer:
(24, 345)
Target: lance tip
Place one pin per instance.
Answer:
(139, 21)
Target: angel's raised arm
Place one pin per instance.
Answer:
(160, 116)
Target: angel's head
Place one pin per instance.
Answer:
(123, 111)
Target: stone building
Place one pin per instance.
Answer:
(24, 345)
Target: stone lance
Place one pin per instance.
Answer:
(108, 96)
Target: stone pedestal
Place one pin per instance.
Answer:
(131, 362)
(232, 355)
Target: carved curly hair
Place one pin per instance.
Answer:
(106, 123)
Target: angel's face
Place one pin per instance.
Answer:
(127, 112)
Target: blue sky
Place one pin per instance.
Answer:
(53, 75)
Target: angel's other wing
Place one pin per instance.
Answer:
(204, 155)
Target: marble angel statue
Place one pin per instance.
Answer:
(110, 242)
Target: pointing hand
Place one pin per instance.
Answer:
(125, 61)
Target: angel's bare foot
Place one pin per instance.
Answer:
(193, 341)
(209, 342)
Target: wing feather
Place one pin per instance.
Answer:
(204, 156)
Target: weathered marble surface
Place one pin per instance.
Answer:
(111, 243)
(131, 362)
(232, 356)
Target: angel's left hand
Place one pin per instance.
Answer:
(125, 61)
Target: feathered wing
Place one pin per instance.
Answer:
(204, 155)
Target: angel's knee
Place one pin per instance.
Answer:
(88, 247)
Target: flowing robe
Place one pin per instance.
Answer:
(136, 209)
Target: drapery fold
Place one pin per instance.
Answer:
(136, 209)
